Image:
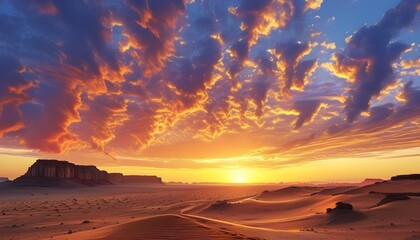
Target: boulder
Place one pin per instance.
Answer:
(345, 206)
(340, 206)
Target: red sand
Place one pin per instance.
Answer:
(192, 212)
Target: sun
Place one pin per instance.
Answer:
(239, 176)
(240, 179)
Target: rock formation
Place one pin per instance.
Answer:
(343, 213)
(115, 177)
(370, 181)
(341, 206)
(120, 178)
(406, 177)
(141, 179)
(62, 173)
(66, 170)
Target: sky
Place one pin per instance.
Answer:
(213, 91)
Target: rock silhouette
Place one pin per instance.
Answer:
(340, 206)
(57, 173)
(406, 177)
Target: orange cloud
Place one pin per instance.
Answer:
(293, 71)
(313, 4)
(330, 45)
(13, 92)
(151, 29)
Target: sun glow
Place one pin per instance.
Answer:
(239, 179)
(239, 176)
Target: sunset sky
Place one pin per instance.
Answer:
(213, 90)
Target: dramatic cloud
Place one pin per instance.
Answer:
(181, 80)
(381, 113)
(13, 92)
(149, 29)
(136, 131)
(369, 55)
(48, 117)
(191, 75)
(294, 71)
(260, 18)
(307, 111)
(98, 122)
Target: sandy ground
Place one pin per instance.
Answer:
(208, 212)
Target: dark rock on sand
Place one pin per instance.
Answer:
(342, 214)
(341, 206)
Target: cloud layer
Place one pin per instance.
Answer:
(140, 78)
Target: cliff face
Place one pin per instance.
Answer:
(48, 171)
(62, 173)
(66, 170)
(115, 177)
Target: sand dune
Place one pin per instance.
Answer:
(389, 187)
(158, 227)
(308, 212)
(211, 212)
(186, 227)
(288, 193)
(334, 190)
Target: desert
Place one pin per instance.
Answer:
(386, 209)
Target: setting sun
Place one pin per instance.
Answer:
(240, 179)
(240, 176)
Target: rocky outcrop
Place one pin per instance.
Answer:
(341, 206)
(370, 181)
(66, 170)
(406, 177)
(120, 178)
(62, 173)
(343, 213)
(47, 172)
(116, 177)
(141, 179)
